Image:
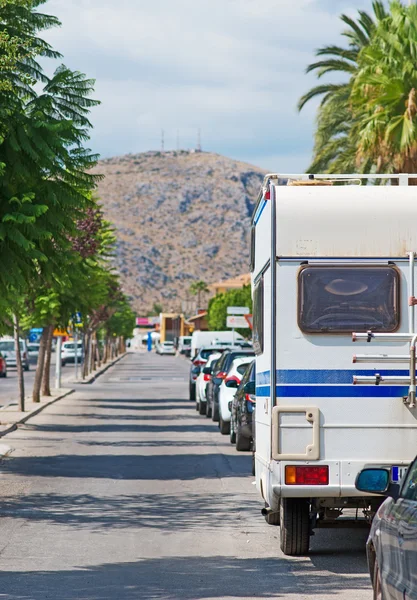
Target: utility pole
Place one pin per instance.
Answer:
(162, 140)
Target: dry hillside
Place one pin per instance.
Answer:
(180, 217)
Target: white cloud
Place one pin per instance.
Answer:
(235, 68)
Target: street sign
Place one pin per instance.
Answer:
(236, 322)
(60, 333)
(238, 310)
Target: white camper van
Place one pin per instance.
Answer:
(332, 256)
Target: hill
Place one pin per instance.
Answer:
(180, 217)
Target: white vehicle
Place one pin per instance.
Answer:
(68, 353)
(228, 388)
(33, 350)
(7, 350)
(328, 261)
(211, 338)
(201, 383)
(166, 348)
(184, 344)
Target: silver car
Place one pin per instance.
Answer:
(392, 542)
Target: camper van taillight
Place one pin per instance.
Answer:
(267, 196)
(306, 475)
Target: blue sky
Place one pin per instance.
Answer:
(234, 68)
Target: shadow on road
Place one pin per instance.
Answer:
(131, 466)
(181, 578)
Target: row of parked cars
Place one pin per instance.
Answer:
(222, 384)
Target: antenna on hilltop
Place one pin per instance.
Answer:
(198, 148)
(162, 140)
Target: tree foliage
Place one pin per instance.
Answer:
(217, 308)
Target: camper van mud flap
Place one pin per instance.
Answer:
(295, 433)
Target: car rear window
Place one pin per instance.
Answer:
(242, 368)
(207, 352)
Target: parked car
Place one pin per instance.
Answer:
(197, 363)
(241, 408)
(392, 543)
(3, 367)
(166, 348)
(227, 390)
(33, 352)
(184, 345)
(68, 353)
(219, 373)
(7, 350)
(202, 382)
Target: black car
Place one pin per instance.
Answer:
(242, 407)
(198, 362)
(219, 373)
(392, 544)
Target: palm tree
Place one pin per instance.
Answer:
(384, 94)
(196, 289)
(335, 148)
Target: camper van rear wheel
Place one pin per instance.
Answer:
(295, 526)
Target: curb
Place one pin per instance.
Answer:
(91, 378)
(33, 413)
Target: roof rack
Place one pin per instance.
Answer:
(348, 177)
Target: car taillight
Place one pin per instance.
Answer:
(250, 398)
(306, 475)
(233, 378)
(222, 375)
(206, 377)
(198, 363)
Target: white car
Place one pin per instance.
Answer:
(201, 384)
(68, 353)
(166, 348)
(33, 350)
(7, 350)
(228, 388)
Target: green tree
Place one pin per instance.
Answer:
(335, 143)
(217, 308)
(384, 94)
(196, 289)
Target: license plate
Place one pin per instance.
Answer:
(397, 473)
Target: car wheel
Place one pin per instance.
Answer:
(295, 526)
(224, 426)
(253, 464)
(215, 414)
(242, 443)
(208, 411)
(377, 583)
(192, 392)
(202, 408)
(232, 433)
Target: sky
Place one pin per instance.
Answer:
(232, 68)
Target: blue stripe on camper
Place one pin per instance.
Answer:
(259, 211)
(329, 376)
(334, 391)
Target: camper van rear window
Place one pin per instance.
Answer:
(346, 299)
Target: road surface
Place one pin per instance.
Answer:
(123, 492)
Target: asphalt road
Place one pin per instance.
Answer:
(9, 386)
(122, 491)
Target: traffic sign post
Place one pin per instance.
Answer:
(238, 310)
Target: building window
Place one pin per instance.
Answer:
(258, 317)
(345, 299)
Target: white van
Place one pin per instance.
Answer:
(7, 350)
(329, 261)
(211, 338)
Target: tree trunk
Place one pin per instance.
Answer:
(86, 354)
(19, 366)
(91, 354)
(98, 358)
(46, 379)
(36, 394)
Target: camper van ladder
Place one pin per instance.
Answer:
(409, 358)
